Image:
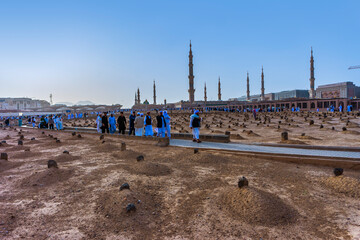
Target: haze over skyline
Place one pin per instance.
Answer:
(103, 51)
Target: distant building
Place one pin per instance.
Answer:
(22, 104)
(338, 90)
(291, 94)
(275, 96)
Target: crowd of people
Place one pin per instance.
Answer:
(142, 125)
(138, 124)
(48, 121)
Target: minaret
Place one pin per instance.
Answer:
(154, 93)
(191, 77)
(138, 96)
(262, 85)
(205, 96)
(219, 90)
(247, 87)
(312, 76)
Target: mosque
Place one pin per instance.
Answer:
(344, 93)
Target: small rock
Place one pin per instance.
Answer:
(42, 132)
(243, 182)
(344, 129)
(57, 140)
(284, 136)
(303, 134)
(27, 150)
(73, 133)
(32, 139)
(20, 142)
(338, 171)
(79, 136)
(196, 150)
(4, 156)
(140, 158)
(52, 164)
(124, 186)
(103, 142)
(21, 137)
(130, 207)
(311, 122)
(102, 137)
(333, 128)
(66, 152)
(123, 146)
(3, 141)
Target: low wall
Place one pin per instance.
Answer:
(203, 137)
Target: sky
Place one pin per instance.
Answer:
(102, 51)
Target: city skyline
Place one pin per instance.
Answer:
(102, 55)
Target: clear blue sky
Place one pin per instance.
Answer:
(103, 50)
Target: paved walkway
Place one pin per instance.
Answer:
(265, 149)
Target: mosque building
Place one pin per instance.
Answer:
(324, 96)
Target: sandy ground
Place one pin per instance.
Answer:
(268, 127)
(177, 194)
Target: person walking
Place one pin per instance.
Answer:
(105, 123)
(195, 123)
(112, 123)
(161, 124)
(99, 123)
(167, 121)
(131, 124)
(51, 122)
(148, 125)
(139, 125)
(121, 121)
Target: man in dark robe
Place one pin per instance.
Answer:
(121, 123)
(105, 123)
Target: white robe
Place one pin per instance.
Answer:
(98, 124)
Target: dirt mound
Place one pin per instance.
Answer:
(236, 136)
(141, 223)
(26, 154)
(6, 165)
(293, 142)
(16, 148)
(257, 207)
(107, 147)
(47, 177)
(251, 133)
(283, 130)
(148, 168)
(66, 158)
(350, 132)
(127, 155)
(33, 142)
(352, 125)
(341, 184)
(308, 138)
(206, 158)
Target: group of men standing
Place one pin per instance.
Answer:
(140, 125)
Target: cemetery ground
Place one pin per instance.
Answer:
(171, 193)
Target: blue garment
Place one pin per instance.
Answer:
(148, 130)
(112, 123)
(132, 120)
(168, 127)
(192, 118)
